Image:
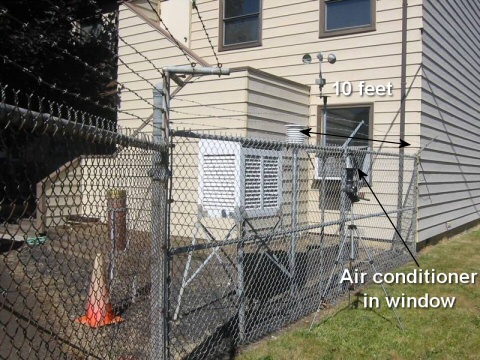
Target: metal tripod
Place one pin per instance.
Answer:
(354, 240)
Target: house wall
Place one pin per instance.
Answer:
(449, 183)
(143, 51)
(274, 102)
(179, 25)
(213, 104)
(291, 29)
(209, 103)
(59, 196)
(225, 103)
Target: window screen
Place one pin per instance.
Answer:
(343, 121)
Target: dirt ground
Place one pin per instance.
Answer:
(45, 288)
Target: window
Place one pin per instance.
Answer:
(90, 30)
(342, 17)
(342, 121)
(240, 24)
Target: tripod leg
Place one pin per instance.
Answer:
(372, 264)
(330, 278)
(353, 252)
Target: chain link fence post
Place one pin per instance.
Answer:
(159, 227)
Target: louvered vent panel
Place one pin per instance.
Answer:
(253, 182)
(270, 182)
(219, 182)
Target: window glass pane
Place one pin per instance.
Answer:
(90, 30)
(344, 121)
(241, 7)
(347, 14)
(241, 30)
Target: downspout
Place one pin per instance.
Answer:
(404, 72)
(403, 94)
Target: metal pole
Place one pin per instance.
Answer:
(323, 193)
(343, 200)
(343, 195)
(353, 251)
(158, 249)
(403, 102)
(415, 199)
(160, 208)
(166, 215)
(293, 239)
(324, 158)
(241, 282)
(324, 121)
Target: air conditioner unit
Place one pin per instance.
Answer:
(233, 176)
(334, 162)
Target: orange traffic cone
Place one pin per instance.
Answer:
(99, 310)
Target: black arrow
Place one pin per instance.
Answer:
(362, 175)
(401, 144)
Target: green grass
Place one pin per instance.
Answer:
(358, 333)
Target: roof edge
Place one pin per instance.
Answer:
(187, 50)
(269, 75)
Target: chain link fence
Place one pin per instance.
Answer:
(75, 232)
(260, 232)
(101, 262)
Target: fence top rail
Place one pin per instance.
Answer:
(272, 144)
(79, 126)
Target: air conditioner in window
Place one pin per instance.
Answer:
(233, 176)
(334, 163)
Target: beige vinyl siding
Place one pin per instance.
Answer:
(226, 101)
(248, 102)
(143, 51)
(450, 175)
(258, 105)
(59, 196)
(273, 103)
(291, 30)
(223, 105)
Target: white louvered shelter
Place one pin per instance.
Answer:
(233, 176)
